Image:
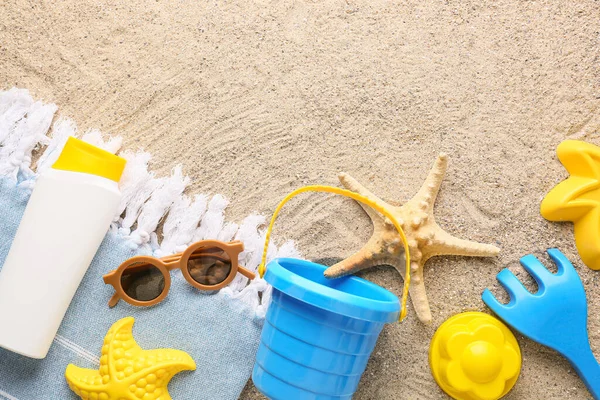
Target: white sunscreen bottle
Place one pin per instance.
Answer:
(66, 218)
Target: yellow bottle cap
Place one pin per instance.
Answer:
(79, 156)
(474, 356)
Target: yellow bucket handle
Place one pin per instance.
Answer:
(358, 197)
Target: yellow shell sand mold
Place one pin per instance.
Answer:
(473, 356)
(577, 198)
(126, 371)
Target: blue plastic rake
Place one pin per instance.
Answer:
(555, 316)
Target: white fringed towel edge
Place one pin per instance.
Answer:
(26, 126)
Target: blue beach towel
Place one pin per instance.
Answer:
(219, 330)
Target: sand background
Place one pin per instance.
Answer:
(258, 98)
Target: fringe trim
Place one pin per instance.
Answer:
(6, 396)
(147, 200)
(75, 348)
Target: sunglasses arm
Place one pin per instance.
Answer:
(247, 273)
(114, 300)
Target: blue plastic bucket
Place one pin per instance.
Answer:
(319, 332)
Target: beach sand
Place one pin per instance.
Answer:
(257, 98)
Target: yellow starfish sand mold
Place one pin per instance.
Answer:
(127, 372)
(425, 238)
(577, 198)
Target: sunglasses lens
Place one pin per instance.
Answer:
(209, 265)
(142, 281)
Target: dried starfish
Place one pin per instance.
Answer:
(425, 238)
(126, 371)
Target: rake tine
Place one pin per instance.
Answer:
(563, 264)
(513, 286)
(537, 270)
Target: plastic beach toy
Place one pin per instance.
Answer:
(555, 316)
(361, 199)
(473, 356)
(319, 333)
(577, 198)
(126, 371)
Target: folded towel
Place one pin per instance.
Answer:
(219, 330)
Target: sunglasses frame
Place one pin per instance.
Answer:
(176, 261)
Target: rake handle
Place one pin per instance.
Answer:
(587, 368)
